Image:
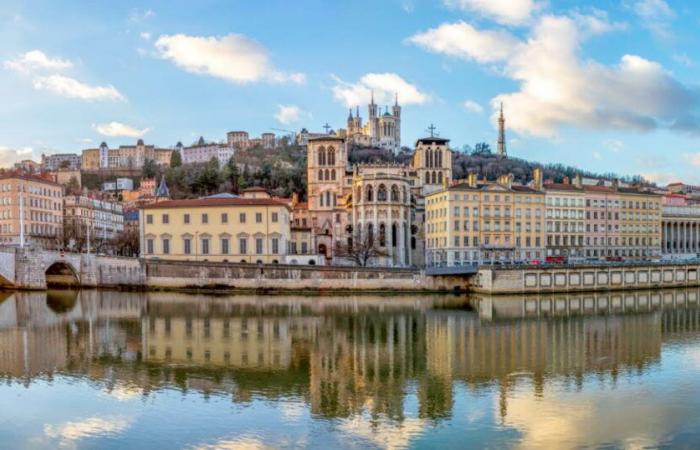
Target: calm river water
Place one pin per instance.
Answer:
(100, 369)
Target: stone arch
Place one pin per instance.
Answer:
(61, 274)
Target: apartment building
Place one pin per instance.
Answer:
(475, 221)
(31, 211)
(104, 218)
(565, 220)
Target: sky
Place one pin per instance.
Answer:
(607, 86)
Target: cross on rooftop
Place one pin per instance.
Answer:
(326, 127)
(431, 130)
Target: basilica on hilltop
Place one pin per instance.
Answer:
(381, 130)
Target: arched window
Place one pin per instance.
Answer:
(382, 235)
(322, 156)
(327, 175)
(394, 193)
(381, 193)
(404, 197)
(440, 177)
(427, 177)
(434, 178)
(333, 175)
(321, 199)
(370, 234)
(429, 158)
(438, 154)
(331, 156)
(370, 194)
(394, 235)
(328, 198)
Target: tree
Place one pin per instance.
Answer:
(126, 243)
(150, 168)
(360, 249)
(232, 174)
(481, 148)
(175, 159)
(73, 187)
(65, 164)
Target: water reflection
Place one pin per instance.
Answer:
(386, 371)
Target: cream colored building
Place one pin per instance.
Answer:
(223, 228)
(566, 213)
(31, 211)
(104, 218)
(474, 221)
(130, 157)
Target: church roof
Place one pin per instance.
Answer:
(432, 140)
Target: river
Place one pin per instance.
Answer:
(105, 369)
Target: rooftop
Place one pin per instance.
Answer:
(215, 202)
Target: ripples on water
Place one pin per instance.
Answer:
(99, 369)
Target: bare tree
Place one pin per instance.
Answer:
(359, 249)
(126, 243)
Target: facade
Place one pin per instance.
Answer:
(131, 157)
(104, 219)
(268, 140)
(471, 222)
(52, 163)
(379, 203)
(218, 228)
(680, 227)
(120, 184)
(28, 166)
(237, 139)
(622, 223)
(565, 218)
(31, 211)
(203, 152)
(381, 130)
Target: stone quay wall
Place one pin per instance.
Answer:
(534, 279)
(226, 276)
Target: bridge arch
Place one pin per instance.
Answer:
(61, 274)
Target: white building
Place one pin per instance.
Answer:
(203, 152)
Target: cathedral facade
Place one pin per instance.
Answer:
(380, 203)
(381, 129)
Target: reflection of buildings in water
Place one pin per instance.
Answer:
(346, 356)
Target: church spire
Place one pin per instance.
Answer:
(372, 102)
(357, 111)
(502, 135)
(396, 99)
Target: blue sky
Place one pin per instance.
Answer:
(606, 85)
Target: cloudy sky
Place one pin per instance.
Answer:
(603, 85)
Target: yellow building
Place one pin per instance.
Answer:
(475, 221)
(223, 228)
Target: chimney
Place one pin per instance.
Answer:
(471, 179)
(578, 181)
(506, 180)
(537, 178)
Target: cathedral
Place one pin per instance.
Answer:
(381, 130)
(382, 203)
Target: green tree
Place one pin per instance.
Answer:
(175, 159)
(232, 175)
(150, 168)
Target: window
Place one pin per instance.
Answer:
(258, 217)
(241, 217)
(149, 218)
(205, 246)
(166, 219)
(187, 245)
(149, 246)
(224, 218)
(258, 246)
(275, 217)
(304, 248)
(166, 246)
(275, 246)
(224, 246)
(187, 218)
(243, 246)
(205, 218)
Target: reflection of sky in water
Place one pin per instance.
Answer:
(85, 379)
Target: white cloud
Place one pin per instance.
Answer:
(234, 58)
(559, 88)
(683, 58)
(72, 88)
(511, 12)
(473, 106)
(614, 145)
(114, 129)
(137, 16)
(91, 427)
(656, 15)
(288, 114)
(36, 60)
(385, 87)
(462, 40)
(9, 156)
(145, 35)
